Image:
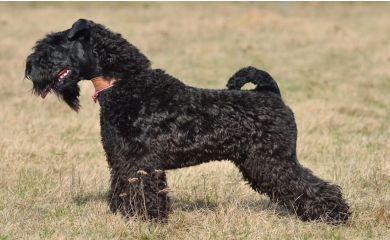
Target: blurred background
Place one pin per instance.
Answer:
(331, 61)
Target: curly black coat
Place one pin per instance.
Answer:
(151, 122)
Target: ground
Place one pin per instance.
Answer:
(331, 61)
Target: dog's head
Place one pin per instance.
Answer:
(86, 50)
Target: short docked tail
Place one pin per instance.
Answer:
(260, 78)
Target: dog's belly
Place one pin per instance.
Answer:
(201, 148)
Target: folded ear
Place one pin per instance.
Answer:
(79, 27)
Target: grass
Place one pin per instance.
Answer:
(331, 61)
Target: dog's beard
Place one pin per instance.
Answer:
(70, 94)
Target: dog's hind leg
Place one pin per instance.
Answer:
(287, 183)
(139, 192)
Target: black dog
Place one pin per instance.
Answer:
(151, 122)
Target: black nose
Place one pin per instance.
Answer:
(28, 68)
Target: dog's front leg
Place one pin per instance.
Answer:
(139, 192)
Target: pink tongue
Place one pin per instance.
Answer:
(45, 91)
(61, 74)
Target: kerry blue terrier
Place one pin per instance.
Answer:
(152, 122)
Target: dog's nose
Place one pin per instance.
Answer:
(28, 68)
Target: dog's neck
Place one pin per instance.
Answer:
(101, 83)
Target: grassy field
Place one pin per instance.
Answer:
(331, 61)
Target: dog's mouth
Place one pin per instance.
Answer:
(59, 79)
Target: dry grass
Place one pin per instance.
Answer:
(331, 62)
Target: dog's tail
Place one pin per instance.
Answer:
(260, 78)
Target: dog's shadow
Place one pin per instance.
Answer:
(192, 205)
(250, 205)
(85, 197)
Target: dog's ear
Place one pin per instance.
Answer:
(79, 27)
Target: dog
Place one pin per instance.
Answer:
(152, 122)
